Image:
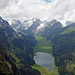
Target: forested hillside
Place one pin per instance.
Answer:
(64, 51)
(7, 67)
(18, 48)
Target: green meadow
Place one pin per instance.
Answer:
(44, 45)
(45, 71)
(68, 30)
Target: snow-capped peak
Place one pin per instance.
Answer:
(40, 26)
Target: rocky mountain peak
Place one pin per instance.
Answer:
(6, 30)
(0, 18)
(69, 23)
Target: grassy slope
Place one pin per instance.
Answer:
(45, 71)
(68, 30)
(44, 45)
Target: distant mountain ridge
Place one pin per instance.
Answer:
(18, 25)
(69, 22)
(35, 26)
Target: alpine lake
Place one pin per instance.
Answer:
(45, 60)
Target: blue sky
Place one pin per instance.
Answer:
(47, 0)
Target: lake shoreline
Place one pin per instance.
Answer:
(45, 71)
(48, 65)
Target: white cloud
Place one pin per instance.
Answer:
(3, 3)
(26, 9)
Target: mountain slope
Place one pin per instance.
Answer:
(19, 48)
(64, 51)
(6, 33)
(16, 24)
(7, 67)
(51, 29)
(33, 27)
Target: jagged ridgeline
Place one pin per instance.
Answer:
(16, 52)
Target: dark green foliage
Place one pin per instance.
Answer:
(25, 44)
(63, 71)
(7, 67)
(3, 40)
(19, 43)
(30, 71)
(6, 33)
(24, 53)
(64, 44)
(64, 52)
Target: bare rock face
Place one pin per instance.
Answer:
(69, 23)
(6, 30)
(35, 26)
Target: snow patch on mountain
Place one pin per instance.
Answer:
(41, 26)
(27, 24)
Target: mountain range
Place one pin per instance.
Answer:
(34, 25)
(17, 41)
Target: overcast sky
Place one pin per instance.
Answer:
(43, 9)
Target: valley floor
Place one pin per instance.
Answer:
(44, 45)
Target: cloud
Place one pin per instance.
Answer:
(27, 9)
(3, 4)
(48, 0)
